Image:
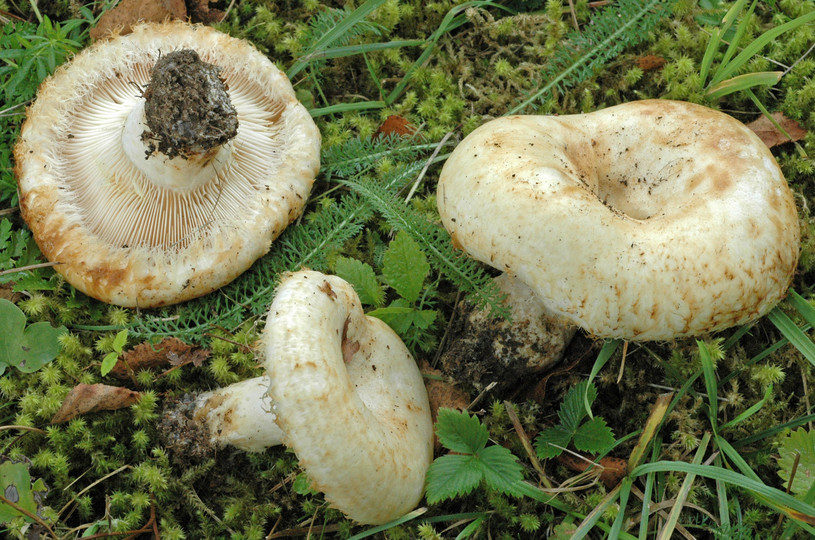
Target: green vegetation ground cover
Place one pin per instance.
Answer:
(713, 456)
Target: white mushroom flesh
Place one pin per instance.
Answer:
(348, 397)
(648, 220)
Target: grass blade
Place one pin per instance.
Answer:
(756, 45)
(682, 496)
(605, 354)
(795, 335)
(803, 307)
(775, 498)
(398, 521)
(716, 39)
(744, 82)
(711, 384)
(740, 30)
(332, 35)
(750, 411)
(351, 50)
(658, 412)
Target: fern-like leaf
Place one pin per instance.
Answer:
(464, 272)
(305, 245)
(616, 27)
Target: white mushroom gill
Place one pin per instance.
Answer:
(123, 230)
(129, 200)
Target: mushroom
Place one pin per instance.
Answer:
(648, 220)
(158, 166)
(341, 390)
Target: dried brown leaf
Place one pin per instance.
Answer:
(395, 125)
(612, 470)
(86, 398)
(650, 62)
(152, 355)
(769, 134)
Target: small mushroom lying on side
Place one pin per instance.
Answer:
(647, 221)
(342, 391)
(156, 167)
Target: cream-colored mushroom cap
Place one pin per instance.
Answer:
(648, 220)
(139, 232)
(348, 398)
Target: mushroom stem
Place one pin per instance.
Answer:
(178, 136)
(240, 415)
(179, 173)
(488, 350)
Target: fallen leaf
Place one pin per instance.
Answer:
(146, 355)
(129, 12)
(442, 393)
(650, 62)
(86, 398)
(612, 472)
(395, 125)
(769, 134)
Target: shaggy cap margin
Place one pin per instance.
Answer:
(116, 235)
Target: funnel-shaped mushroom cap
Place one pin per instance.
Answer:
(136, 228)
(348, 397)
(648, 220)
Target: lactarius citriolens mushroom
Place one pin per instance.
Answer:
(648, 220)
(156, 167)
(341, 390)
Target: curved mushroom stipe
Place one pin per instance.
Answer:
(343, 392)
(142, 232)
(649, 220)
(348, 397)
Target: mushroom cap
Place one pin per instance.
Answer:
(118, 236)
(348, 398)
(648, 220)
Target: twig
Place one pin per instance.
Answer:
(29, 267)
(446, 335)
(427, 164)
(622, 362)
(243, 347)
(30, 515)
(789, 488)
(574, 16)
(91, 485)
(533, 457)
(26, 428)
(481, 396)
(228, 9)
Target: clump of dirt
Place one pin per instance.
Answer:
(186, 439)
(187, 107)
(492, 350)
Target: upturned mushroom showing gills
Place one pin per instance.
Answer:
(648, 220)
(342, 391)
(156, 167)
